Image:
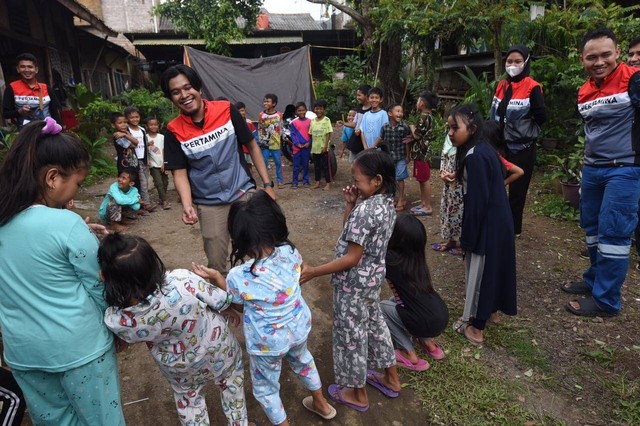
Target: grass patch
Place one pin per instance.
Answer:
(626, 395)
(522, 345)
(605, 356)
(555, 207)
(461, 390)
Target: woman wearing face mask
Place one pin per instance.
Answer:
(518, 105)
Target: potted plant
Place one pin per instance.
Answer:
(569, 172)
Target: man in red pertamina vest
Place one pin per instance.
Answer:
(27, 99)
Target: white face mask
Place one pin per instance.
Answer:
(515, 71)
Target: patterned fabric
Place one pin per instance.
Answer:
(156, 150)
(85, 395)
(421, 148)
(270, 129)
(361, 337)
(190, 342)
(451, 202)
(265, 376)
(393, 136)
(276, 317)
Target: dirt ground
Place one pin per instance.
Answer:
(547, 253)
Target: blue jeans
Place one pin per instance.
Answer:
(608, 215)
(301, 159)
(275, 154)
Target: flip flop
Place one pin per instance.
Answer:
(377, 383)
(442, 246)
(576, 287)
(404, 362)
(463, 331)
(307, 402)
(419, 211)
(589, 308)
(456, 251)
(335, 393)
(437, 354)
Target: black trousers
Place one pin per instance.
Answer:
(524, 159)
(321, 167)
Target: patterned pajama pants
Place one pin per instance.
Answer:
(265, 375)
(361, 338)
(85, 395)
(115, 211)
(228, 375)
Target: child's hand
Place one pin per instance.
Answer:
(204, 272)
(339, 123)
(351, 194)
(407, 139)
(307, 273)
(232, 316)
(100, 231)
(448, 177)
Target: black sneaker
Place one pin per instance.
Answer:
(584, 254)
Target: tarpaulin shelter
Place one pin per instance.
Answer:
(238, 79)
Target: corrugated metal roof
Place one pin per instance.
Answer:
(201, 42)
(293, 22)
(120, 41)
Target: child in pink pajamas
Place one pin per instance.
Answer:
(178, 315)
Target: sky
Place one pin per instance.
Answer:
(294, 6)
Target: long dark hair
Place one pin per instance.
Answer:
(372, 162)
(406, 252)
(21, 177)
(130, 268)
(471, 117)
(256, 225)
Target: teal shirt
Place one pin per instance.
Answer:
(130, 198)
(51, 299)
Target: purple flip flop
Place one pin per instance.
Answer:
(373, 378)
(335, 393)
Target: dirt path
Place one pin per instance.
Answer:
(570, 387)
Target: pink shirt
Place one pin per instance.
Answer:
(302, 126)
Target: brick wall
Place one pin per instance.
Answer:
(128, 15)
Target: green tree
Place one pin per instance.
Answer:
(216, 21)
(384, 48)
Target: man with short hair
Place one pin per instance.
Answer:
(203, 148)
(609, 103)
(27, 99)
(633, 60)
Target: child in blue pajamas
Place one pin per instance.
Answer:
(277, 320)
(177, 314)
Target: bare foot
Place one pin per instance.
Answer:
(473, 334)
(356, 396)
(320, 403)
(411, 356)
(495, 318)
(316, 186)
(327, 187)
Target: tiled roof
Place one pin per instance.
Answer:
(293, 22)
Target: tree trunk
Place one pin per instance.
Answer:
(390, 55)
(496, 29)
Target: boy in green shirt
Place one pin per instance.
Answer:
(320, 131)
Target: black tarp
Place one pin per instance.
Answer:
(248, 80)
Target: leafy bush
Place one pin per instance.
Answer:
(342, 78)
(555, 207)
